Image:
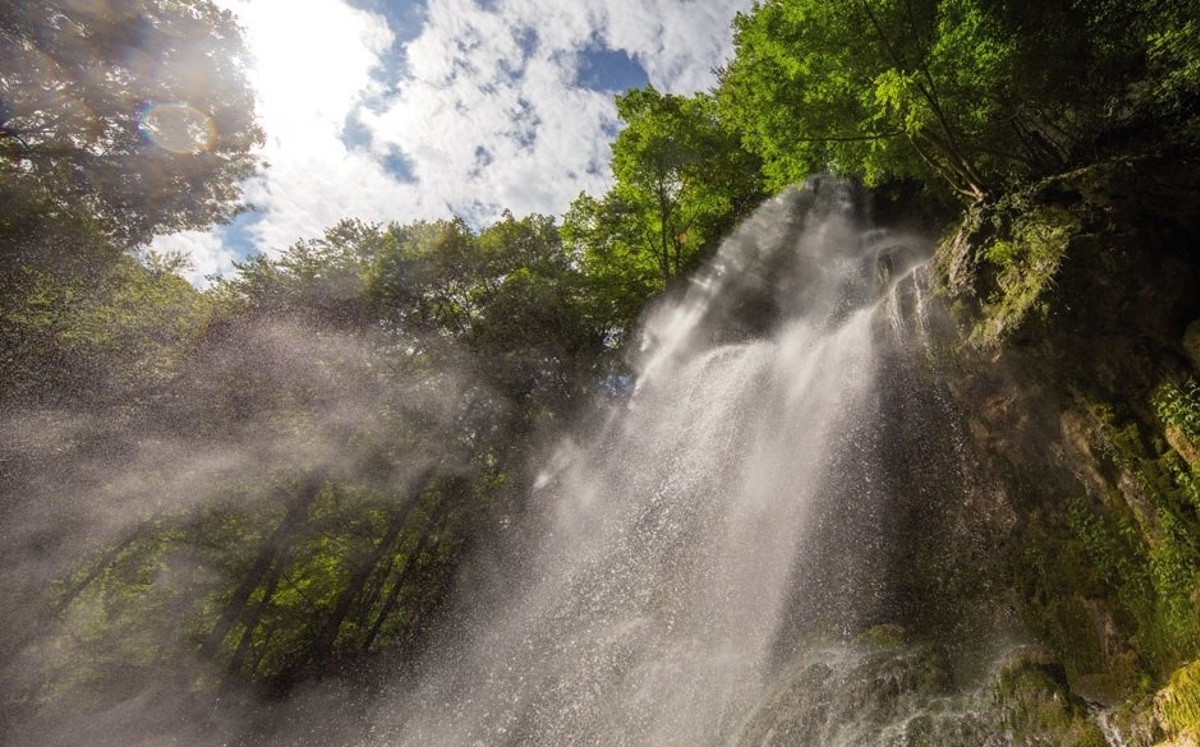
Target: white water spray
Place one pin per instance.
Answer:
(735, 505)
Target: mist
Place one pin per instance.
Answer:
(126, 523)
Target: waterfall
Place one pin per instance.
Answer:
(737, 506)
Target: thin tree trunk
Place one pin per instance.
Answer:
(664, 256)
(32, 632)
(255, 618)
(393, 596)
(322, 648)
(110, 556)
(970, 183)
(948, 176)
(263, 563)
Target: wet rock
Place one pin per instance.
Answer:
(849, 696)
(1036, 706)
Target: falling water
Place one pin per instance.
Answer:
(735, 507)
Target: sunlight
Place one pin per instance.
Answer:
(310, 67)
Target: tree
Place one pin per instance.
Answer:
(448, 346)
(505, 302)
(534, 331)
(118, 333)
(120, 120)
(321, 281)
(973, 95)
(680, 172)
(87, 368)
(884, 88)
(682, 181)
(1151, 55)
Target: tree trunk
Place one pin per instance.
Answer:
(322, 649)
(253, 620)
(393, 596)
(267, 558)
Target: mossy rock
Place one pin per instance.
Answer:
(849, 696)
(1169, 717)
(904, 696)
(1036, 705)
(1177, 706)
(1026, 262)
(887, 635)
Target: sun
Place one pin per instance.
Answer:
(310, 63)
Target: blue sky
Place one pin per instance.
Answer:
(395, 110)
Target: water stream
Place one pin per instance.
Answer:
(736, 507)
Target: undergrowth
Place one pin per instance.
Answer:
(1144, 540)
(1026, 263)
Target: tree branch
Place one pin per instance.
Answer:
(849, 138)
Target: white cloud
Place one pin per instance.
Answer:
(206, 253)
(313, 64)
(679, 43)
(486, 111)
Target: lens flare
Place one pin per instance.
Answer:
(177, 127)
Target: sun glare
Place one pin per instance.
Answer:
(308, 65)
(177, 127)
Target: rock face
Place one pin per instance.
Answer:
(1080, 300)
(897, 695)
(858, 695)
(1191, 343)
(1071, 365)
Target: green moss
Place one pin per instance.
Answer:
(1111, 578)
(1036, 705)
(1144, 540)
(1025, 261)
(1072, 602)
(888, 635)
(1077, 635)
(1178, 704)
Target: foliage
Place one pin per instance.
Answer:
(330, 583)
(1178, 405)
(318, 281)
(119, 120)
(446, 345)
(507, 302)
(968, 94)
(288, 466)
(886, 88)
(1159, 39)
(1037, 706)
(1148, 555)
(1025, 262)
(96, 338)
(681, 173)
(682, 180)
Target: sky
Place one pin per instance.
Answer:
(398, 110)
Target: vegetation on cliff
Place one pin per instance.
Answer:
(276, 479)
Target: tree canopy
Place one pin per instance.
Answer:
(970, 94)
(682, 179)
(276, 477)
(119, 121)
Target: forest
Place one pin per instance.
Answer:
(283, 479)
